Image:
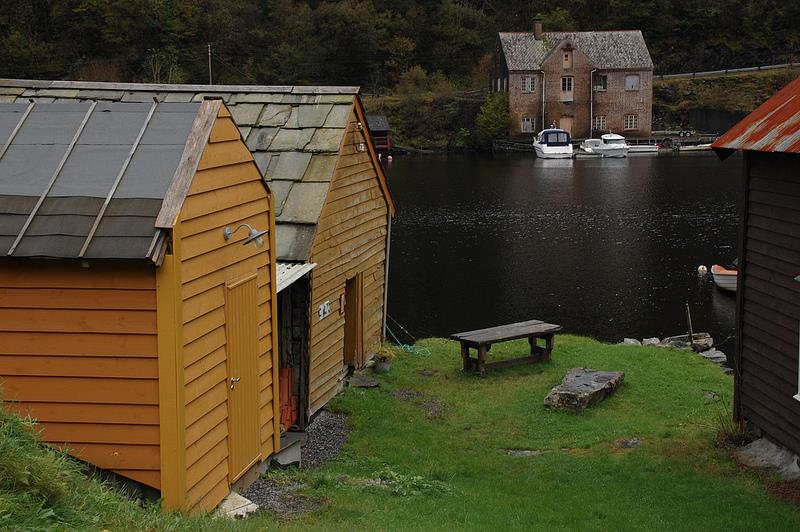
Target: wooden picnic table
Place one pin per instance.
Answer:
(482, 340)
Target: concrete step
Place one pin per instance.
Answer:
(235, 506)
(291, 449)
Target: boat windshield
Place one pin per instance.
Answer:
(556, 138)
(614, 141)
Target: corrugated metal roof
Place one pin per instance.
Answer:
(87, 179)
(772, 127)
(294, 133)
(606, 49)
(287, 273)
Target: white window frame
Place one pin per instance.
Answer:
(634, 120)
(567, 95)
(630, 87)
(599, 123)
(505, 84)
(528, 84)
(531, 120)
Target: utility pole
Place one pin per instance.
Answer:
(210, 79)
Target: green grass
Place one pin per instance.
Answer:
(675, 480)
(438, 439)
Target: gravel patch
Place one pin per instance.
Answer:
(326, 435)
(281, 496)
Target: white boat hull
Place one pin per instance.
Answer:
(725, 279)
(552, 153)
(611, 152)
(643, 148)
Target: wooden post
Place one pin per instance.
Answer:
(482, 358)
(689, 321)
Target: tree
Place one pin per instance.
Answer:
(493, 120)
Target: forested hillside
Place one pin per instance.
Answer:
(360, 42)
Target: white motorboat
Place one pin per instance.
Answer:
(724, 278)
(608, 145)
(553, 144)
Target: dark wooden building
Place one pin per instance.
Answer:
(768, 291)
(381, 133)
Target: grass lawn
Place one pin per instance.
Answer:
(440, 441)
(453, 432)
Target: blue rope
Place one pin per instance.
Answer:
(409, 348)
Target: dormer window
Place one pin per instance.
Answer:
(632, 82)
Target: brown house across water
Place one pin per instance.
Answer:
(767, 391)
(333, 212)
(586, 82)
(136, 330)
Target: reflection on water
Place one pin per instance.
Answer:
(604, 247)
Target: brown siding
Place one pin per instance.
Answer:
(78, 352)
(350, 239)
(770, 312)
(226, 191)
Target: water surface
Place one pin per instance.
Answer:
(605, 247)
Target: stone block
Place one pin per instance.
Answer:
(630, 341)
(291, 139)
(702, 341)
(763, 454)
(714, 355)
(582, 388)
(235, 506)
(651, 341)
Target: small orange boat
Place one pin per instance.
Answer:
(724, 277)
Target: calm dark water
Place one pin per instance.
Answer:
(606, 248)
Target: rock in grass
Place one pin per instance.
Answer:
(630, 341)
(763, 454)
(651, 341)
(362, 381)
(582, 388)
(714, 355)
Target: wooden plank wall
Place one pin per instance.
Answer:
(78, 352)
(227, 190)
(351, 238)
(770, 315)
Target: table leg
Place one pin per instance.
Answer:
(465, 356)
(548, 346)
(482, 349)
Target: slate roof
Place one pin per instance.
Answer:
(88, 179)
(378, 123)
(608, 50)
(294, 134)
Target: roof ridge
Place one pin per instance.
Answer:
(178, 87)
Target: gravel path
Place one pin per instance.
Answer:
(280, 493)
(327, 434)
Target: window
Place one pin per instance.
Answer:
(600, 82)
(528, 124)
(528, 84)
(599, 123)
(632, 82)
(567, 59)
(631, 122)
(505, 84)
(566, 89)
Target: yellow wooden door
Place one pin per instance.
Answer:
(241, 328)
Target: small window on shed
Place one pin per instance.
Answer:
(632, 82)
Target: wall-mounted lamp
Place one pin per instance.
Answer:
(252, 236)
(359, 125)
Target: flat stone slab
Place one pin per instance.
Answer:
(235, 506)
(362, 381)
(582, 388)
(714, 355)
(763, 454)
